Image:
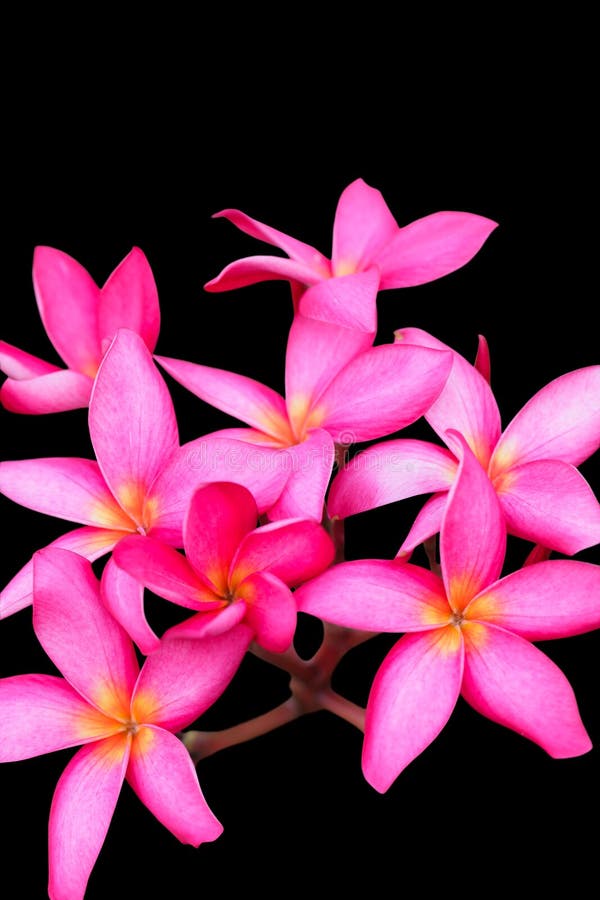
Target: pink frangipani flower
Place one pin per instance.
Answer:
(124, 717)
(143, 480)
(81, 320)
(234, 572)
(339, 389)
(468, 633)
(365, 235)
(531, 464)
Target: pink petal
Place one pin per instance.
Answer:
(376, 595)
(427, 523)
(19, 365)
(270, 610)
(538, 553)
(210, 624)
(466, 403)
(253, 269)
(163, 776)
(349, 301)
(123, 597)
(79, 635)
(132, 422)
(72, 489)
(42, 713)
(56, 392)
(551, 599)
(68, 299)
(362, 229)
(294, 248)
(513, 683)
(182, 678)
(431, 247)
(83, 805)
(129, 299)
(412, 698)
(551, 503)
(389, 472)
(383, 390)
(242, 397)
(88, 542)
(473, 535)
(309, 466)
(219, 517)
(482, 360)
(294, 551)
(561, 421)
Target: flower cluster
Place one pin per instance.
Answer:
(260, 523)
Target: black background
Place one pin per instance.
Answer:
(94, 178)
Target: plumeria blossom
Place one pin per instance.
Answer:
(365, 235)
(531, 464)
(468, 632)
(81, 319)
(123, 717)
(339, 389)
(234, 572)
(142, 481)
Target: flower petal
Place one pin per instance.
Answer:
(513, 683)
(428, 522)
(42, 713)
(349, 301)
(294, 248)
(270, 610)
(561, 421)
(376, 595)
(551, 503)
(209, 624)
(129, 299)
(383, 390)
(389, 472)
(431, 247)
(362, 229)
(83, 805)
(56, 392)
(19, 365)
(253, 269)
(77, 632)
(182, 678)
(412, 698)
(163, 776)
(123, 597)
(309, 466)
(473, 534)
(68, 298)
(293, 551)
(482, 360)
(551, 599)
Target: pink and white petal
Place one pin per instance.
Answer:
(132, 421)
(551, 503)
(220, 515)
(41, 713)
(513, 683)
(67, 488)
(294, 248)
(292, 550)
(362, 228)
(163, 776)
(466, 403)
(349, 301)
(552, 599)
(249, 435)
(182, 678)
(383, 390)
(428, 522)
(82, 807)
(209, 624)
(482, 360)
(78, 633)
(68, 299)
(88, 542)
(412, 698)
(270, 610)
(389, 472)
(123, 597)
(308, 466)
(376, 595)
(473, 533)
(164, 571)
(561, 421)
(56, 392)
(431, 247)
(253, 269)
(237, 395)
(129, 299)
(19, 365)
